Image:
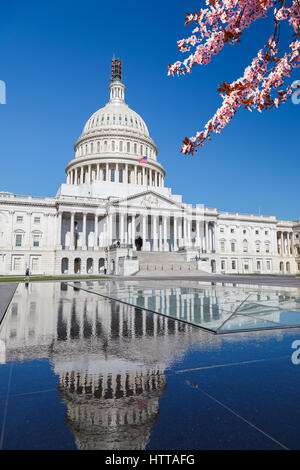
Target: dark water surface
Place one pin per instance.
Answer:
(78, 371)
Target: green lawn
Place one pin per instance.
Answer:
(47, 278)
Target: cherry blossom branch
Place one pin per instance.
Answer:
(267, 70)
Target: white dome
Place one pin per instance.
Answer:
(116, 115)
(115, 146)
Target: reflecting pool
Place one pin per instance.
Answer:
(80, 371)
(219, 308)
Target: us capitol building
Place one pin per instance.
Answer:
(115, 214)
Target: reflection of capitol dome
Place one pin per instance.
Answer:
(112, 411)
(115, 135)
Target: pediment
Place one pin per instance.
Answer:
(148, 200)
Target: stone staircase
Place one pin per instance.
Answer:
(163, 261)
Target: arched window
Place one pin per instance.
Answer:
(105, 145)
(222, 245)
(113, 146)
(128, 147)
(257, 246)
(92, 147)
(86, 149)
(98, 147)
(267, 247)
(121, 146)
(142, 151)
(135, 149)
(233, 244)
(245, 246)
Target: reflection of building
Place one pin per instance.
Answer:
(112, 198)
(110, 359)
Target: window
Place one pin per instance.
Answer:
(104, 175)
(233, 264)
(222, 229)
(19, 218)
(17, 264)
(36, 240)
(256, 232)
(223, 265)
(98, 147)
(105, 145)
(36, 220)
(244, 231)
(35, 264)
(92, 147)
(232, 230)
(232, 246)
(128, 147)
(112, 174)
(245, 246)
(266, 232)
(121, 146)
(18, 239)
(267, 247)
(268, 265)
(257, 247)
(222, 245)
(258, 265)
(135, 148)
(120, 176)
(113, 146)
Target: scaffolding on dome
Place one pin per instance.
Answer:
(116, 70)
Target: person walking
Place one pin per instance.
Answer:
(27, 274)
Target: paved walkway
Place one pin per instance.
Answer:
(7, 290)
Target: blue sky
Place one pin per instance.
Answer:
(55, 60)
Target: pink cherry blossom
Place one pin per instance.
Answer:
(223, 22)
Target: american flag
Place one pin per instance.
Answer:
(143, 160)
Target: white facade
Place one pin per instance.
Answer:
(110, 199)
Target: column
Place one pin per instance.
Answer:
(145, 217)
(84, 247)
(72, 231)
(81, 175)
(135, 174)
(98, 172)
(117, 173)
(282, 245)
(122, 238)
(58, 231)
(154, 231)
(96, 232)
(106, 172)
(175, 231)
(288, 243)
(197, 233)
(206, 237)
(126, 173)
(133, 230)
(143, 176)
(76, 176)
(165, 219)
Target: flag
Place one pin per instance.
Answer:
(143, 160)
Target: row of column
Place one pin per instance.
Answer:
(285, 245)
(159, 235)
(123, 173)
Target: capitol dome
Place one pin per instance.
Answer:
(113, 142)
